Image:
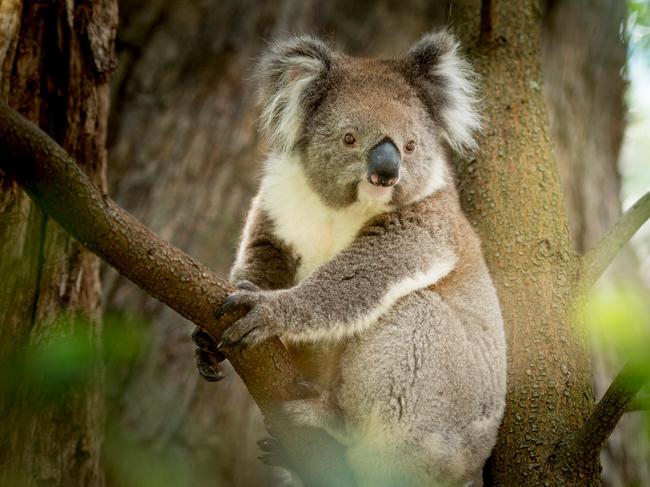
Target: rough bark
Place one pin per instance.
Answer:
(55, 57)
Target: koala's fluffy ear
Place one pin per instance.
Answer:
(445, 83)
(292, 77)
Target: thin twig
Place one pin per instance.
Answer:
(60, 188)
(596, 260)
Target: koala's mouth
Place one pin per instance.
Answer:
(371, 192)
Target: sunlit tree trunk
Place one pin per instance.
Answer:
(55, 57)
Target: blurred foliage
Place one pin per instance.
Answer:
(619, 317)
(126, 463)
(66, 357)
(61, 361)
(67, 360)
(130, 465)
(638, 24)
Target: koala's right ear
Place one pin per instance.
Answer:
(292, 76)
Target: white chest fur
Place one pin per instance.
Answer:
(315, 231)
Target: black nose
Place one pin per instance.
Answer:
(383, 164)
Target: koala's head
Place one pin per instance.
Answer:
(369, 129)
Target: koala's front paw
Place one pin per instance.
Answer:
(258, 324)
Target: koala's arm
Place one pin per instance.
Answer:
(390, 258)
(393, 255)
(263, 263)
(262, 259)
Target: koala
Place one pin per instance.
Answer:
(357, 254)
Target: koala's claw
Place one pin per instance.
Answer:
(253, 327)
(207, 356)
(204, 342)
(242, 299)
(268, 445)
(244, 332)
(269, 427)
(255, 317)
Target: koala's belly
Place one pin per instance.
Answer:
(415, 386)
(417, 366)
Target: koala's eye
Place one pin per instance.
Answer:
(349, 139)
(409, 146)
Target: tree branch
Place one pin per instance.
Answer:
(586, 443)
(596, 260)
(64, 192)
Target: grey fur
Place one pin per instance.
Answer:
(401, 328)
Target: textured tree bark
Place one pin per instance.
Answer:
(56, 58)
(511, 193)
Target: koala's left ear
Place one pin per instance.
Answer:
(292, 76)
(445, 83)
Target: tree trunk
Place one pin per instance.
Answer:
(56, 57)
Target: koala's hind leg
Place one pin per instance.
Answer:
(319, 411)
